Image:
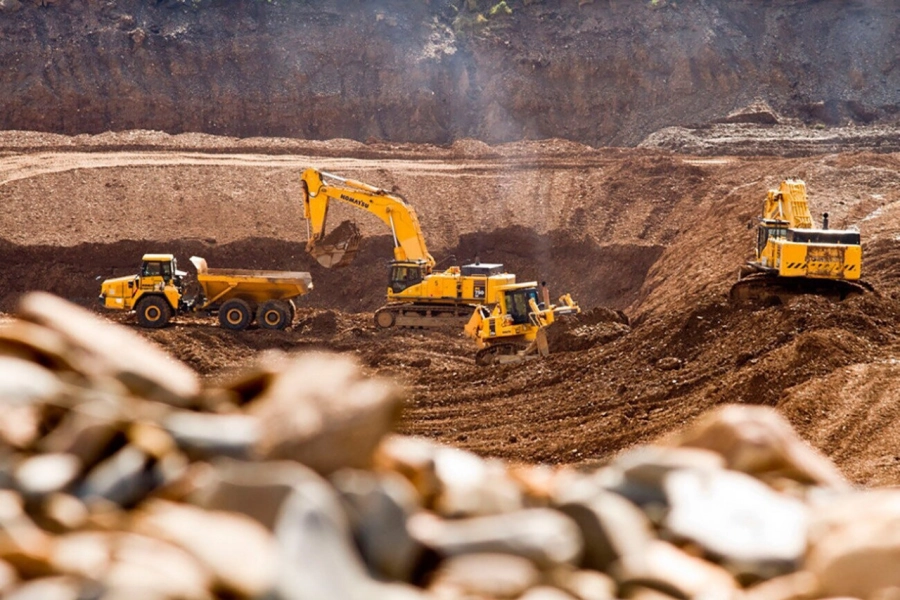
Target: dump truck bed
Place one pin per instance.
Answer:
(220, 285)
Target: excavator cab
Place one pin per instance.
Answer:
(406, 274)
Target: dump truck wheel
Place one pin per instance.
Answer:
(235, 315)
(274, 315)
(153, 312)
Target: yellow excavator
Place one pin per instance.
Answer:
(794, 257)
(515, 329)
(417, 296)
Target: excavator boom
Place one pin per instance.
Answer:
(339, 247)
(417, 295)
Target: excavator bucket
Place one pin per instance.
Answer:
(338, 248)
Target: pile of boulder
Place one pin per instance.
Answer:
(124, 475)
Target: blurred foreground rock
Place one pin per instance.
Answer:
(124, 477)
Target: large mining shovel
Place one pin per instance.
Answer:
(338, 248)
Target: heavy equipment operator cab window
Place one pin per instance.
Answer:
(404, 276)
(517, 305)
(151, 269)
(762, 236)
(157, 269)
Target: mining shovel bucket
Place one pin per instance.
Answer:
(338, 248)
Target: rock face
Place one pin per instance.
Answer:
(602, 73)
(110, 492)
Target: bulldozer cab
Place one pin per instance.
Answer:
(404, 275)
(517, 304)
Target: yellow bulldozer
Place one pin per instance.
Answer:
(795, 257)
(515, 328)
(417, 295)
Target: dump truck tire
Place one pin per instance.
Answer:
(274, 314)
(235, 315)
(153, 312)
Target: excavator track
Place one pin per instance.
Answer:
(423, 316)
(763, 288)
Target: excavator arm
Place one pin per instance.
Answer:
(320, 188)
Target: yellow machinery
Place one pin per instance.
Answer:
(515, 329)
(416, 295)
(794, 257)
(238, 296)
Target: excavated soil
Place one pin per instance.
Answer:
(648, 241)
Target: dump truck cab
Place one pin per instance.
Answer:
(155, 293)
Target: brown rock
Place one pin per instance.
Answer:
(611, 526)
(378, 507)
(123, 479)
(85, 554)
(63, 512)
(24, 383)
(469, 485)
(545, 592)
(484, 575)
(140, 365)
(800, 585)
(544, 536)
(45, 474)
(751, 529)
(584, 584)
(759, 441)
(40, 345)
(238, 551)
(204, 435)
(47, 588)
(256, 489)
(322, 412)
(412, 457)
(20, 425)
(318, 558)
(855, 544)
(670, 570)
(85, 431)
(22, 543)
(143, 567)
(8, 577)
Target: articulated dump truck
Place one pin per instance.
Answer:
(238, 296)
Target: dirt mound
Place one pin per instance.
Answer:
(599, 325)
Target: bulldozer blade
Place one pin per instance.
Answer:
(338, 248)
(541, 343)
